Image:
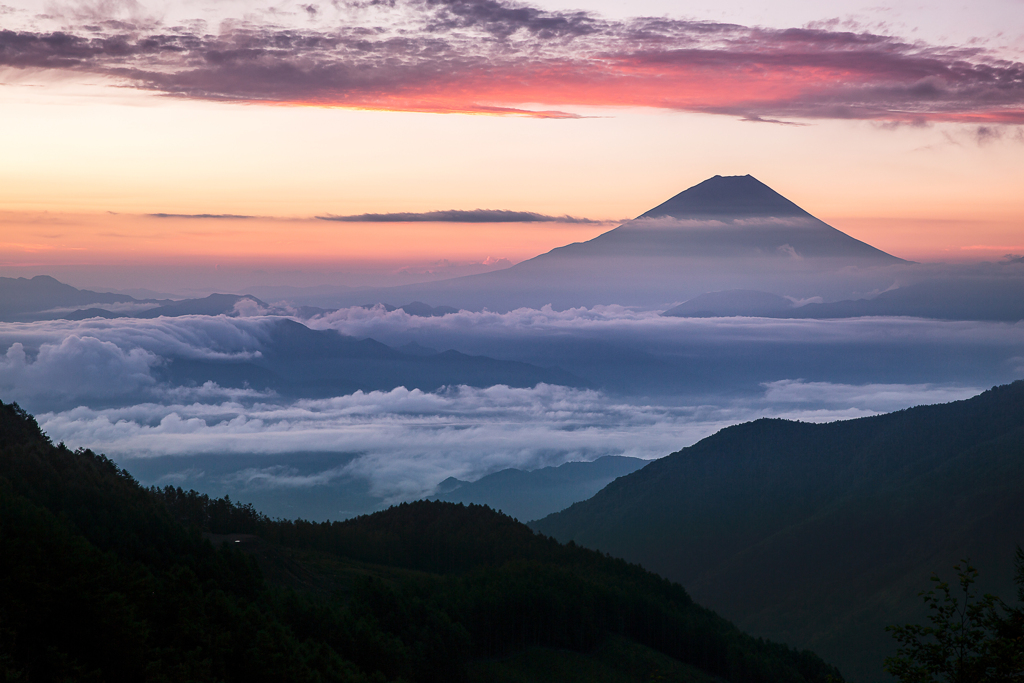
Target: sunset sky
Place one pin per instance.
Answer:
(146, 143)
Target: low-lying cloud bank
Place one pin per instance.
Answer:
(405, 442)
(58, 365)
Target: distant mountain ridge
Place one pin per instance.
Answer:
(298, 361)
(738, 302)
(42, 292)
(291, 359)
(532, 494)
(997, 297)
(820, 535)
(519, 493)
(45, 298)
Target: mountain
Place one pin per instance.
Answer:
(961, 298)
(107, 580)
(44, 298)
(729, 232)
(958, 297)
(416, 308)
(214, 304)
(295, 360)
(733, 302)
(821, 535)
(21, 297)
(422, 310)
(730, 217)
(532, 494)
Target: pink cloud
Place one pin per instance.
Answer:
(493, 57)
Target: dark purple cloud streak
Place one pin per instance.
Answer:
(495, 57)
(456, 216)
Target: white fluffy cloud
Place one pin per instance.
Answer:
(61, 363)
(196, 336)
(76, 369)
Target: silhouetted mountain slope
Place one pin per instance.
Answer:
(533, 494)
(105, 580)
(21, 296)
(822, 534)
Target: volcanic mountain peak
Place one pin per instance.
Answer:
(737, 196)
(729, 217)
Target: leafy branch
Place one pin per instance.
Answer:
(971, 638)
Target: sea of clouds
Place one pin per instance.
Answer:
(96, 384)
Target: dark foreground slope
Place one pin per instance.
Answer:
(105, 580)
(822, 534)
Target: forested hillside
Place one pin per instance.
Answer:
(821, 535)
(105, 580)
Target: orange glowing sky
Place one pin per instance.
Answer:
(619, 116)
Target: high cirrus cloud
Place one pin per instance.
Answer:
(494, 56)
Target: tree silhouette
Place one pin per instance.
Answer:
(972, 638)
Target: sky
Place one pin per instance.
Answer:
(169, 145)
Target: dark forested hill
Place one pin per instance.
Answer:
(822, 534)
(105, 580)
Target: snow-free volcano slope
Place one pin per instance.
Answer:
(730, 232)
(731, 217)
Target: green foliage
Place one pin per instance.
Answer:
(106, 580)
(972, 638)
